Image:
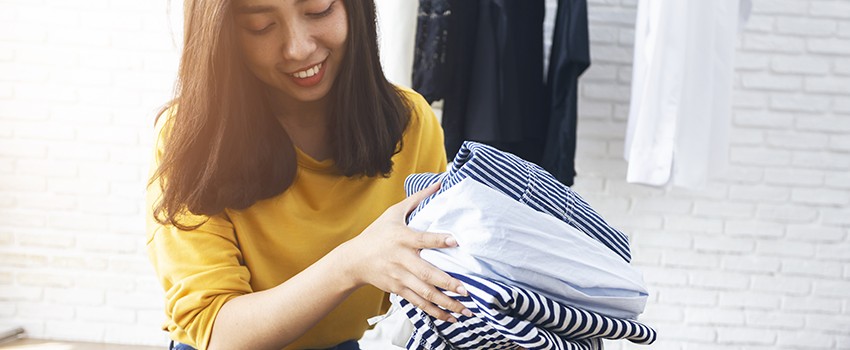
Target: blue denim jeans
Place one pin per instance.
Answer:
(179, 346)
(349, 345)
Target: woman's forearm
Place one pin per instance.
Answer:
(273, 318)
(385, 255)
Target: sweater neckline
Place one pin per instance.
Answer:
(306, 161)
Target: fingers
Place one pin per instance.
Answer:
(427, 297)
(420, 288)
(436, 277)
(428, 240)
(427, 306)
(426, 281)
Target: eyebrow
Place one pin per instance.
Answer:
(251, 9)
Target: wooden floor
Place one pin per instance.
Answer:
(33, 344)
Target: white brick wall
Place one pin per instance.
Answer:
(758, 260)
(80, 82)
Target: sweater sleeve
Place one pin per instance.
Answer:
(200, 270)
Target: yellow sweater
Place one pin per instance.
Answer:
(276, 238)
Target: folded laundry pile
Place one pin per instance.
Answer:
(543, 269)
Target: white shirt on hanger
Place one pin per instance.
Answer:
(397, 38)
(679, 114)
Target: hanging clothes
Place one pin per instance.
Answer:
(455, 84)
(569, 58)
(495, 88)
(396, 33)
(430, 69)
(680, 107)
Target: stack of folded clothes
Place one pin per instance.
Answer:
(542, 268)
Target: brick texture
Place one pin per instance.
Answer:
(80, 82)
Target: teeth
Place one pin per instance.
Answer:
(309, 72)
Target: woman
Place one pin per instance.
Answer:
(276, 208)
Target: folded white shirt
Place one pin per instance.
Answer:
(502, 239)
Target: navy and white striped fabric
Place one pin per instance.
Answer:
(527, 183)
(507, 317)
(510, 317)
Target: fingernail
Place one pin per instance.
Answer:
(451, 241)
(462, 291)
(452, 320)
(466, 313)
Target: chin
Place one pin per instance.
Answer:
(310, 96)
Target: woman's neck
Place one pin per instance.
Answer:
(306, 123)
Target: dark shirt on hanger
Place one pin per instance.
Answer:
(569, 58)
(498, 97)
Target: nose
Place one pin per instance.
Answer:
(298, 43)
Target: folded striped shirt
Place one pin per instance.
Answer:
(507, 317)
(525, 182)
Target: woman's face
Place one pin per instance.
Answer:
(294, 46)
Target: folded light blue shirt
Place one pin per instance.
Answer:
(504, 240)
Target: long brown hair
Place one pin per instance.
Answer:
(225, 147)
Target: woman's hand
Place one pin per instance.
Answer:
(386, 255)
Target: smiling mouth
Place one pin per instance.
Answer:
(309, 72)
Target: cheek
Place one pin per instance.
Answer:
(338, 33)
(258, 55)
(339, 37)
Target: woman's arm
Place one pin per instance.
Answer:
(385, 254)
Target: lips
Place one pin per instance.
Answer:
(309, 76)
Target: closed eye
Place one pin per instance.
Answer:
(324, 13)
(265, 29)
